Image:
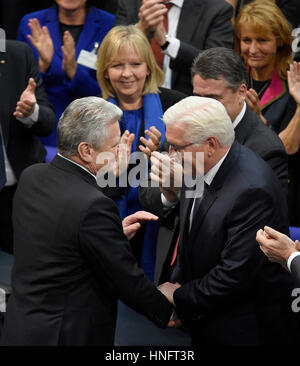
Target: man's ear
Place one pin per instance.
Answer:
(85, 152)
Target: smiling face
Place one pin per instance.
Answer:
(127, 75)
(258, 49)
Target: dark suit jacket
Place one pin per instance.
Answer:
(254, 134)
(23, 146)
(250, 132)
(72, 262)
(202, 24)
(231, 293)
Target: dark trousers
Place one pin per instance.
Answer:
(6, 227)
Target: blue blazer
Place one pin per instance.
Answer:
(60, 89)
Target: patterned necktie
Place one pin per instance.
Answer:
(2, 165)
(159, 55)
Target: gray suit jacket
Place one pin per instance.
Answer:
(202, 24)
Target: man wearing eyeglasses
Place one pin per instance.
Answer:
(217, 73)
(230, 294)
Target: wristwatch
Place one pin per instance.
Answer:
(166, 44)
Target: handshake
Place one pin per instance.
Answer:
(168, 289)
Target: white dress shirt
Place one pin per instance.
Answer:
(173, 47)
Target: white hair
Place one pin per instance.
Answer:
(204, 117)
(85, 120)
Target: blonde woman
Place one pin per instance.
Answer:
(130, 78)
(264, 39)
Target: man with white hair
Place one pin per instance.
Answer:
(72, 258)
(230, 294)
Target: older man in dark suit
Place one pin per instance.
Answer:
(230, 294)
(193, 26)
(25, 114)
(219, 73)
(72, 258)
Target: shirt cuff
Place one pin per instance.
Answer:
(32, 119)
(173, 47)
(290, 259)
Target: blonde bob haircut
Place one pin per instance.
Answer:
(128, 37)
(266, 18)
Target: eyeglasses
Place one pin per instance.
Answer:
(181, 147)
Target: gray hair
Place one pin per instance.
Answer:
(221, 62)
(85, 120)
(204, 117)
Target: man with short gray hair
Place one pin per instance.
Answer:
(230, 295)
(72, 255)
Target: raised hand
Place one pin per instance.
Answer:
(42, 41)
(26, 104)
(132, 223)
(293, 76)
(153, 143)
(167, 172)
(124, 152)
(69, 64)
(276, 246)
(151, 14)
(252, 100)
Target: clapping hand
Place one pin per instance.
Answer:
(152, 144)
(27, 102)
(276, 246)
(294, 81)
(252, 100)
(69, 64)
(42, 41)
(132, 223)
(151, 14)
(167, 172)
(124, 152)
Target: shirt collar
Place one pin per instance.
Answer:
(239, 116)
(209, 176)
(178, 3)
(80, 166)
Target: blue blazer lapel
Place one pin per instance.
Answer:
(52, 24)
(88, 33)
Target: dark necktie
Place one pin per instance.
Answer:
(2, 165)
(159, 55)
(198, 201)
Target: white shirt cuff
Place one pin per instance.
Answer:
(166, 203)
(291, 257)
(32, 119)
(173, 48)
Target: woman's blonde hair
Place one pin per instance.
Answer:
(127, 36)
(266, 17)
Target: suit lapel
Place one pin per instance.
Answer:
(211, 195)
(52, 24)
(188, 21)
(242, 129)
(4, 95)
(190, 14)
